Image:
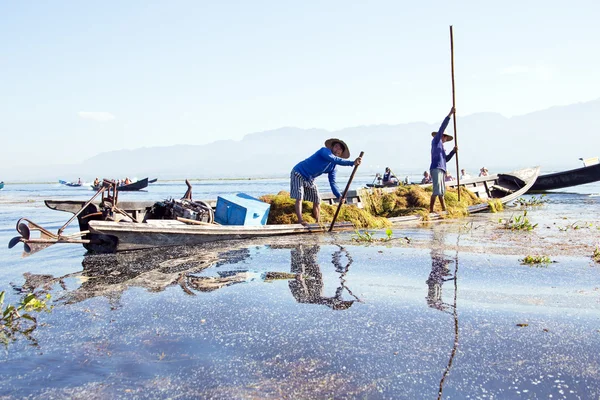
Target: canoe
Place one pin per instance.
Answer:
(70, 184)
(563, 179)
(502, 187)
(132, 187)
(136, 232)
(380, 185)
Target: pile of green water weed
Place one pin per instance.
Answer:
(378, 205)
(414, 200)
(282, 212)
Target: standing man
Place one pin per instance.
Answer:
(438, 162)
(302, 178)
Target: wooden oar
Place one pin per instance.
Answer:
(344, 194)
(454, 116)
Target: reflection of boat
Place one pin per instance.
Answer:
(71, 184)
(137, 185)
(110, 275)
(563, 179)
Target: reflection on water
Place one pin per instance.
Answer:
(440, 273)
(307, 287)
(112, 275)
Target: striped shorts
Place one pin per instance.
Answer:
(302, 189)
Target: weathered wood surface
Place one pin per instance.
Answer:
(162, 233)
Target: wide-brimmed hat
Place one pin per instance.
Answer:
(329, 144)
(435, 133)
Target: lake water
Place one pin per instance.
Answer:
(307, 317)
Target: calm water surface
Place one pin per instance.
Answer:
(302, 317)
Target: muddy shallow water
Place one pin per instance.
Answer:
(452, 313)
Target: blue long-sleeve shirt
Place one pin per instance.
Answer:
(323, 161)
(438, 154)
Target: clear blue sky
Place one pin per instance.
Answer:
(79, 78)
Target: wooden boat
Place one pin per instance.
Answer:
(503, 187)
(1, 185)
(131, 228)
(380, 185)
(70, 184)
(132, 187)
(563, 179)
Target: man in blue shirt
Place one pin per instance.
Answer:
(438, 162)
(302, 177)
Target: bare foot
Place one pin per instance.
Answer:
(303, 223)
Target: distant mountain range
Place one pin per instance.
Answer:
(553, 138)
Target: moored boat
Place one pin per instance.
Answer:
(504, 187)
(1, 185)
(573, 177)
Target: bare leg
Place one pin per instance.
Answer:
(443, 203)
(317, 212)
(298, 208)
(432, 203)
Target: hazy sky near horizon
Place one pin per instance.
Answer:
(80, 78)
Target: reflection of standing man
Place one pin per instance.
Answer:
(439, 274)
(308, 285)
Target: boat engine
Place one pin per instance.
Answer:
(172, 209)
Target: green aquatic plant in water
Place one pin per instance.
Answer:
(17, 320)
(536, 261)
(534, 201)
(575, 226)
(519, 223)
(369, 237)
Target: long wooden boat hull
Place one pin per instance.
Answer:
(164, 233)
(563, 179)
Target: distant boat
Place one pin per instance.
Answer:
(2, 185)
(152, 180)
(573, 177)
(132, 187)
(71, 184)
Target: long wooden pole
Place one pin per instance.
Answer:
(345, 193)
(454, 116)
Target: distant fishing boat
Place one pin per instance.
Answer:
(1, 185)
(131, 187)
(71, 184)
